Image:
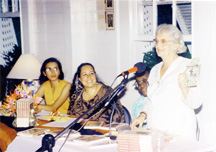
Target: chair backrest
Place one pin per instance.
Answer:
(127, 115)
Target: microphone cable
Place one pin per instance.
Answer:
(111, 117)
(113, 81)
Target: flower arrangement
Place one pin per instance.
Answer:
(21, 91)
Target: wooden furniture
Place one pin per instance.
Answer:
(7, 135)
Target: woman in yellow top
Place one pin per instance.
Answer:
(53, 88)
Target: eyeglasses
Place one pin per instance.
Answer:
(162, 41)
(50, 69)
(139, 83)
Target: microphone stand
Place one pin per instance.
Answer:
(120, 88)
(48, 141)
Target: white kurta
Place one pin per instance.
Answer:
(166, 108)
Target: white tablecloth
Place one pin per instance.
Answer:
(30, 144)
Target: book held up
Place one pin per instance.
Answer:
(192, 73)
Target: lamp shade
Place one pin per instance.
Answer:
(26, 67)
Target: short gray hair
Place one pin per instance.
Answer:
(175, 33)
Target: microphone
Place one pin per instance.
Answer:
(138, 67)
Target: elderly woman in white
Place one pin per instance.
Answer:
(170, 106)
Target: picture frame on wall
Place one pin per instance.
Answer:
(110, 21)
(109, 5)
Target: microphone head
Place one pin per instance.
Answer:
(140, 67)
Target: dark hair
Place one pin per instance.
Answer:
(143, 73)
(43, 78)
(76, 82)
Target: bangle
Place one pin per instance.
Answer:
(143, 113)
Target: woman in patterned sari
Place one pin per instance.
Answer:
(86, 91)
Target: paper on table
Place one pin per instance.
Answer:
(45, 113)
(61, 123)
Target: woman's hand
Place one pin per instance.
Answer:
(138, 121)
(181, 81)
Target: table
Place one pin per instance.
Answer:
(27, 144)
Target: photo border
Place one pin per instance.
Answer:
(108, 7)
(107, 20)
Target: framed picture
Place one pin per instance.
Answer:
(110, 21)
(109, 5)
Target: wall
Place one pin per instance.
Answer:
(126, 50)
(90, 44)
(46, 30)
(204, 36)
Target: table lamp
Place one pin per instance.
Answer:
(26, 67)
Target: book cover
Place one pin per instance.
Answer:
(115, 126)
(23, 112)
(141, 140)
(91, 139)
(73, 133)
(33, 132)
(192, 73)
(94, 125)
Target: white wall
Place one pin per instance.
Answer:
(89, 44)
(46, 30)
(68, 30)
(204, 37)
(127, 52)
